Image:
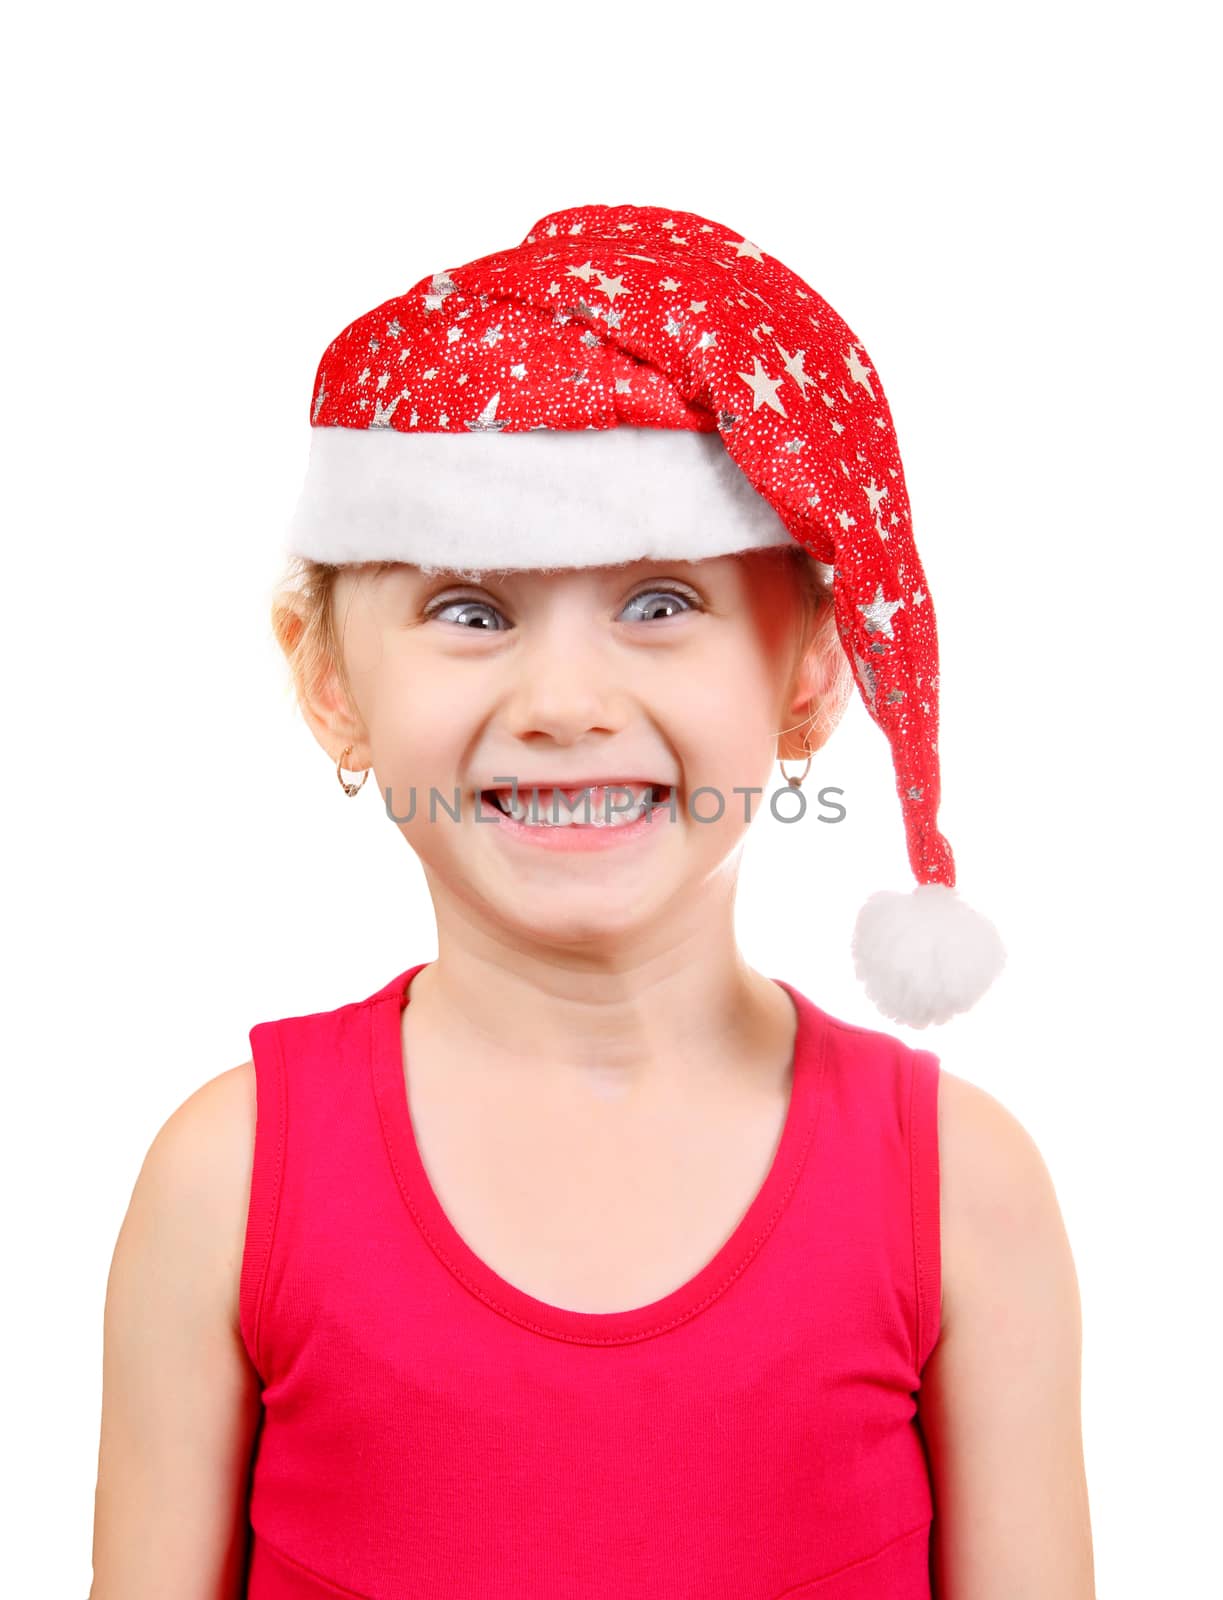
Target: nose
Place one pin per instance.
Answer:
(565, 683)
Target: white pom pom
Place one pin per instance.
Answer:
(925, 955)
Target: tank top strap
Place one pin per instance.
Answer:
(924, 1190)
(317, 1159)
(880, 1169)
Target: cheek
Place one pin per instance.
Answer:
(727, 752)
(418, 751)
(734, 707)
(414, 713)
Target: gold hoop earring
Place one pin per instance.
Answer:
(795, 782)
(349, 788)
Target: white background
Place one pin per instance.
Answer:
(1013, 209)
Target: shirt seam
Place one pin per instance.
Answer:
(276, 1181)
(915, 1210)
(800, 1589)
(319, 1577)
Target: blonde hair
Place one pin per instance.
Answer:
(305, 627)
(818, 634)
(304, 622)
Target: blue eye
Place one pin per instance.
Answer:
(465, 607)
(665, 596)
(471, 612)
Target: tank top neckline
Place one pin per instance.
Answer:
(558, 1322)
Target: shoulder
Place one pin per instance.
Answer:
(1000, 1394)
(181, 1398)
(1001, 1226)
(992, 1174)
(194, 1185)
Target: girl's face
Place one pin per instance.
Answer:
(664, 672)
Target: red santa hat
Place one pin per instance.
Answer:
(629, 383)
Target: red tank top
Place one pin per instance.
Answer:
(428, 1429)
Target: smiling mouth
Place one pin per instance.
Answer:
(576, 798)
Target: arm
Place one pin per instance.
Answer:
(1000, 1397)
(180, 1399)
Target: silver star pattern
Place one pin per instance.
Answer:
(879, 613)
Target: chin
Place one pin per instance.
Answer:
(580, 926)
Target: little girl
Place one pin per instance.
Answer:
(584, 1260)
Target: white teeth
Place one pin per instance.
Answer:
(554, 809)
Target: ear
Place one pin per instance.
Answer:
(334, 722)
(811, 685)
(325, 703)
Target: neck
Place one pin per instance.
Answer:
(622, 1028)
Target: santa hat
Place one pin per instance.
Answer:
(631, 383)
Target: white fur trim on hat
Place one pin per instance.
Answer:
(541, 498)
(925, 955)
